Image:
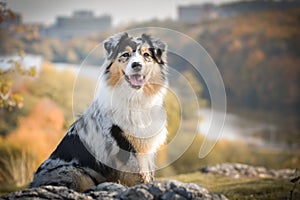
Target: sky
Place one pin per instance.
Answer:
(122, 11)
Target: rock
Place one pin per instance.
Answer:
(237, 170)
(137, 193)
(168, 189)
(46, 192)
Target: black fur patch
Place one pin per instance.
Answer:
(146, 38)
(128, 42)
(72, 148)
(121, 140)
(110, 45)
(121, 45)
(107, 68)
(156, 49)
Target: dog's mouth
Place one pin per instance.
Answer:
(136, 81)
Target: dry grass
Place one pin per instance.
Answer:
(243, 188)
(16, 167)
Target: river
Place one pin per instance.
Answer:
(236, 127)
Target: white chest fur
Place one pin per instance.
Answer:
(141, 117)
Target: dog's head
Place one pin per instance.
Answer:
(138, 62)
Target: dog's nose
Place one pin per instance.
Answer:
(136, 66)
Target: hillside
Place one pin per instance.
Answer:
(258, 57)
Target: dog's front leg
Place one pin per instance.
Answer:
(147, 167)
(147, 177)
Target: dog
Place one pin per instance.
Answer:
(117, 136)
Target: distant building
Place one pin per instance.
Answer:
(196, 13)
(79, 24)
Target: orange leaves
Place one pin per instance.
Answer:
(5, 13)
(235, 45)
(40, 131)
(22, 151)
(8, 97)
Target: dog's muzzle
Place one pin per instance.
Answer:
(136, 80)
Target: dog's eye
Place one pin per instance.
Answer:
(125, 55)
(146, 55)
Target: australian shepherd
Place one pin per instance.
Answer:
(116, 138)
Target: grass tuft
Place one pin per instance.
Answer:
(16, 167)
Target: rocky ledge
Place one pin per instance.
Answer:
(169, 189)
(237, 170)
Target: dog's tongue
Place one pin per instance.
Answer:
(136, 80)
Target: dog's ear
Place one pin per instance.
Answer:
(111, 44)
(160, 48)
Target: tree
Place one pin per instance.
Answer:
(8, 97)
(5, 13)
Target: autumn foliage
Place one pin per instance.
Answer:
(40, 131)
(31, 134)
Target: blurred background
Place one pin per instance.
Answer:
(255, 45)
